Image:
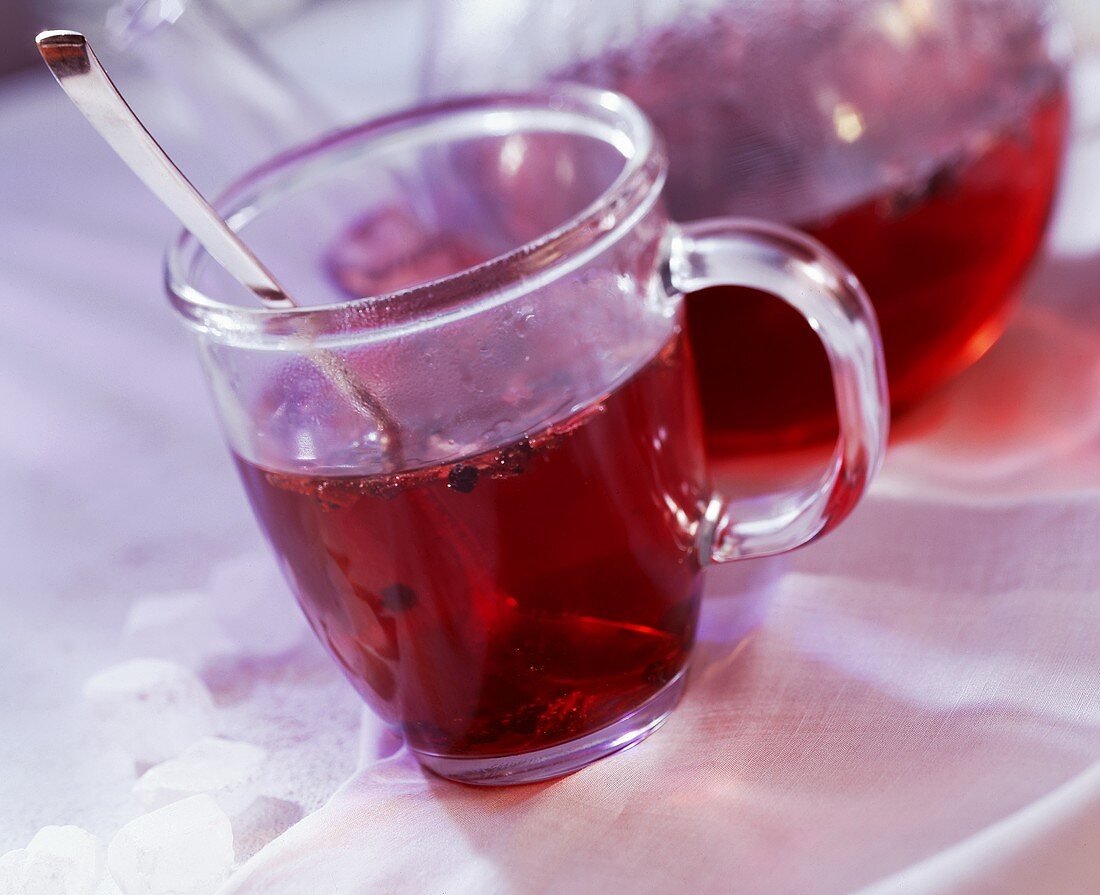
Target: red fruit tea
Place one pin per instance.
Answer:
(515, 599)
(940, 261)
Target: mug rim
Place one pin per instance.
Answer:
(518, 272)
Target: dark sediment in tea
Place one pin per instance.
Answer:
(518, 598)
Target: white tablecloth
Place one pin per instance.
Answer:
(910, 706)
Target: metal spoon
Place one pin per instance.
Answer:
(88, 85)
(81, 76)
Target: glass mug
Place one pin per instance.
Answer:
(485, 482)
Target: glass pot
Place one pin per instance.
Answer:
(920, 140)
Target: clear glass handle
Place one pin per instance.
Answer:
(803, 273)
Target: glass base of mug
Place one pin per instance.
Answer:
(556, 761)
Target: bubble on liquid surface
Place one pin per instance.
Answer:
(513, 459)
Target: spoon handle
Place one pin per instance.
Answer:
(80, 75)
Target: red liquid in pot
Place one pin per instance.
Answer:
(940, 263)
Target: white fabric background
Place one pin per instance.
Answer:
(914, 707)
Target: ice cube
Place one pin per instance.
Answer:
(254, 606)
(61, 861)
(11, 872)
(185, 848)
(224, 769)
(152, 708)
(180, 626)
